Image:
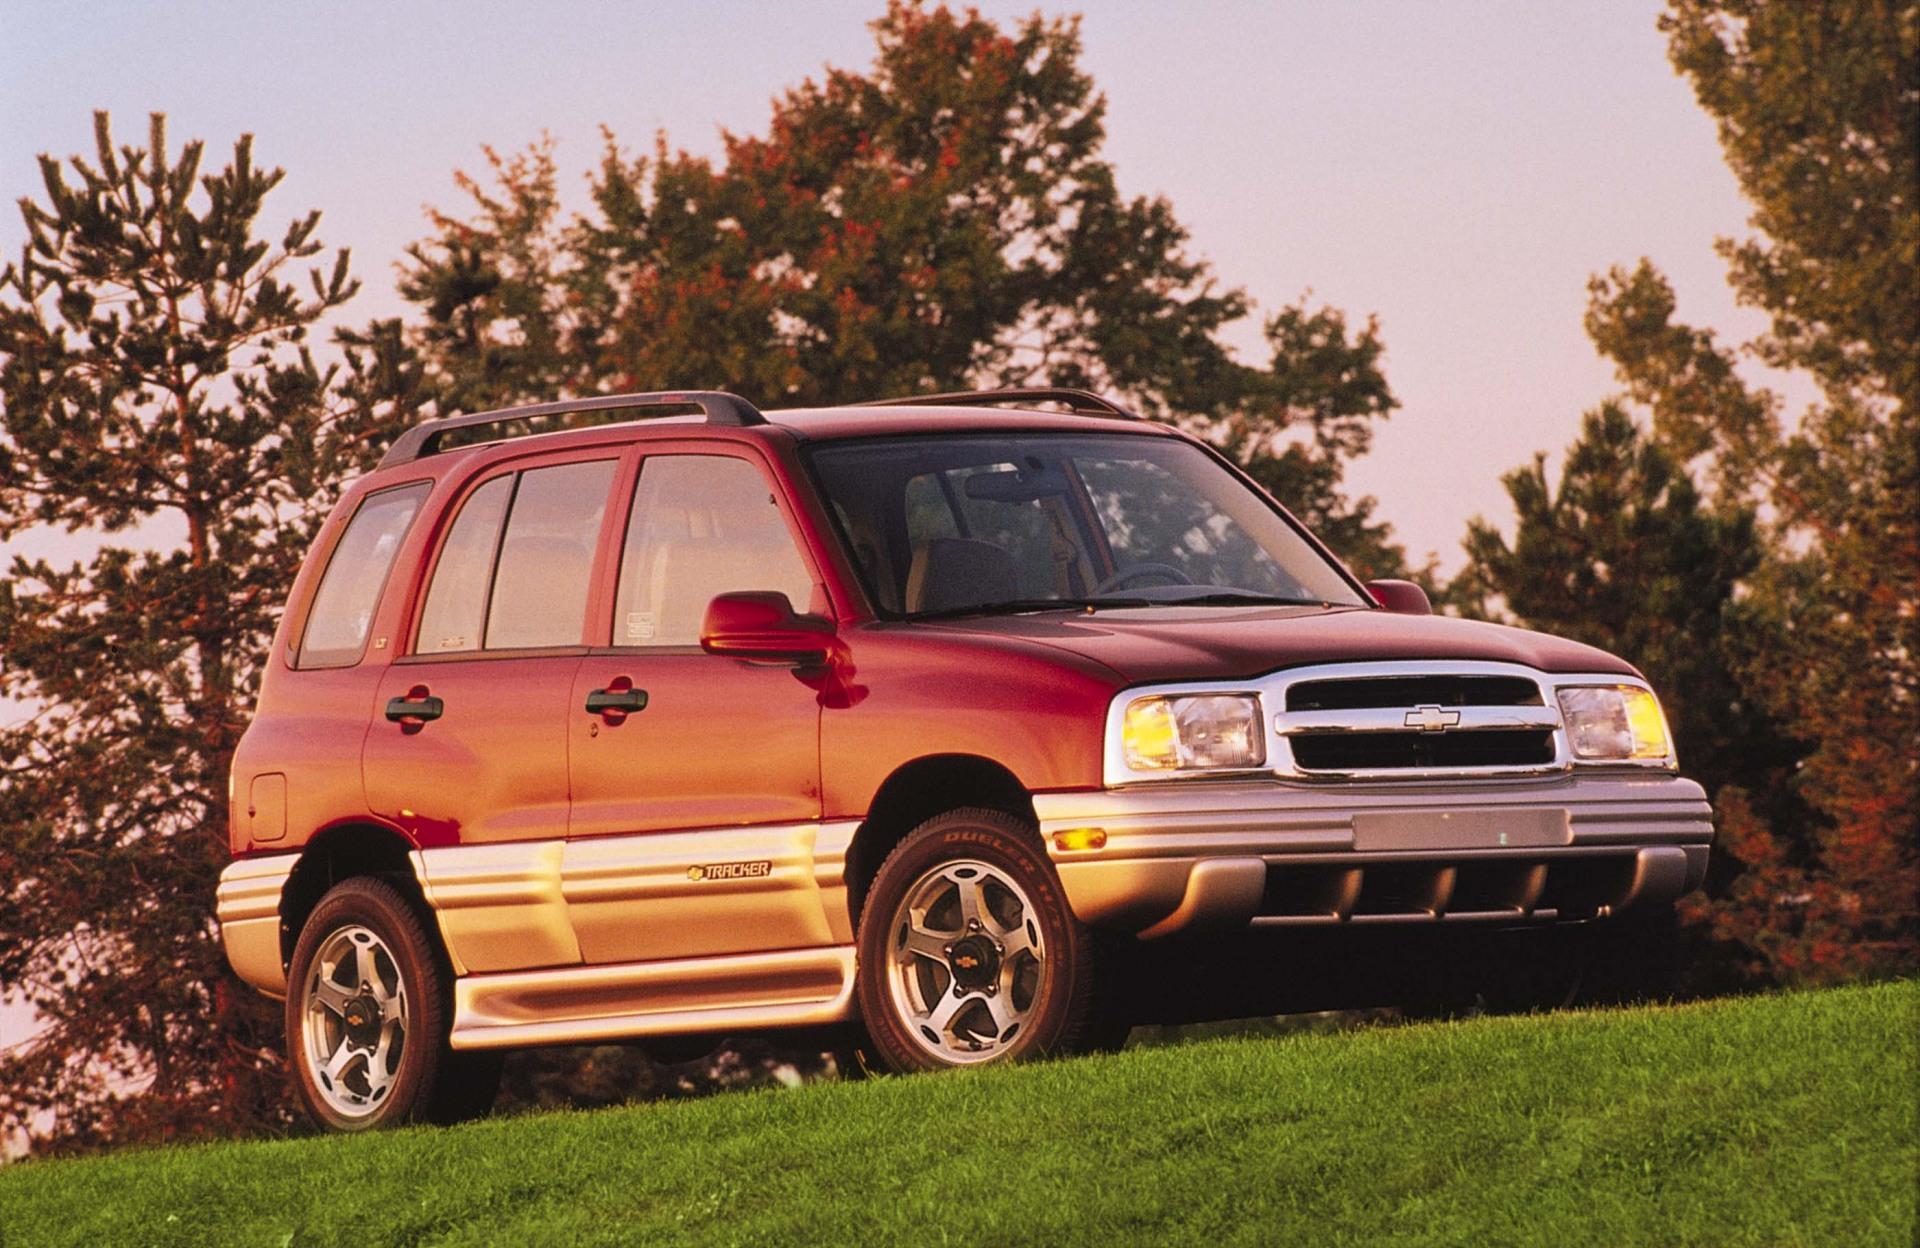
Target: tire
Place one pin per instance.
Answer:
(969, 952)
(1533, 971)
(1621, 960)
(369, 1006)
(1634, 958)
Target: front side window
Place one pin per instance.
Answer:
(349, 592)
(957, 523)
(701, 526)
(515, 568)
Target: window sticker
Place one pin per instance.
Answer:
(640, 626)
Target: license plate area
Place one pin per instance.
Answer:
(1461, 829)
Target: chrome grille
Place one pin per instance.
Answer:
(1396, 721)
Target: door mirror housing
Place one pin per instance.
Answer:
(761, 624)
(1400, 597)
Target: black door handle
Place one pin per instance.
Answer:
(415, 708)
(617, 701)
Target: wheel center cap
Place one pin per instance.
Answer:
(974, 961)
(362, 1017)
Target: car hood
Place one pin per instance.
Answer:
(1238, 643)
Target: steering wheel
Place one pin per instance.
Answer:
(1166, 571)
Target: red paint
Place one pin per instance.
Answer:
(726, 740)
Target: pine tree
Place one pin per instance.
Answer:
(1818, 108)
(159, 392)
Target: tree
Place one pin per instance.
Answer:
(1624, 554)
(1818, 108)
(944, 220)
(156, 378)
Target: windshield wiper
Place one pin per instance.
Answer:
(1234, 598)
(1015, 606)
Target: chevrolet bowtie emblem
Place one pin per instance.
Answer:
(1432, 719)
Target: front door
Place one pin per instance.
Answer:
(468, 748)
(695, 778)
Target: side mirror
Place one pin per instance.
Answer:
(760, 624)
(1401, 597)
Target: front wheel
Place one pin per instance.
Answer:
(368, 1012)
(969, 952)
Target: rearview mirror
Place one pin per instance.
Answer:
(762, 624)
(1401, 597)
(1016, 485)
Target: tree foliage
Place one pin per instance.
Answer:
(944, 220)
(1818, 108)
(155, 372)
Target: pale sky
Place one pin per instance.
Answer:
(1458, 169)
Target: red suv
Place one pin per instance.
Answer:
(980, 733)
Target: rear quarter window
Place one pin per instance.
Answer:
(349, 593)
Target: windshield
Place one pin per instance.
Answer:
(958, 524)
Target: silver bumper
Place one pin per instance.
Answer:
(1272, 854)
(248, 907)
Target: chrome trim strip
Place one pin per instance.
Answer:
(1394, 720)
(1282, 725)
(654, 896)
(641, 897)
(580, 1005)
(500, 905)
(247, 906)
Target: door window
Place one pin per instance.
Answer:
(457, 600)
(343, 606)
(702, 525)
(526, 587)
(546, 559)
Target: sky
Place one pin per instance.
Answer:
(1458, 170)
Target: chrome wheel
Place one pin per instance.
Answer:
(355, 1021)
(967, 961)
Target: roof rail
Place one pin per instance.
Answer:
(1085, 401)
(424, 439)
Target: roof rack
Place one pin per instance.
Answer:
(424, 439)
(1085, 401)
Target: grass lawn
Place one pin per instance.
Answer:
(1791, 1119)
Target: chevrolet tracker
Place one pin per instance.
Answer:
(961, 732)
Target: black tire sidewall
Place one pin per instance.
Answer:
(1008, 844)
(380, 907)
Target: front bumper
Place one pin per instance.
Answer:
(1254, 854)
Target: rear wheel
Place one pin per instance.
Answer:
(368, 1012)
(969, 952)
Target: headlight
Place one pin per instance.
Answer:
(1618, 723)
(1207, 732)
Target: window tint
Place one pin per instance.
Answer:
(457, 599)
(1152, 515)
(546, 559)
(1038, 517)
(349, 590)
(1032, 530)
(702, 525)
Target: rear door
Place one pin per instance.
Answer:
(468, 746)
(693, 824)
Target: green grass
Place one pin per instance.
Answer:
(1772, 1120)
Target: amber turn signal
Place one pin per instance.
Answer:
(1079, 838)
